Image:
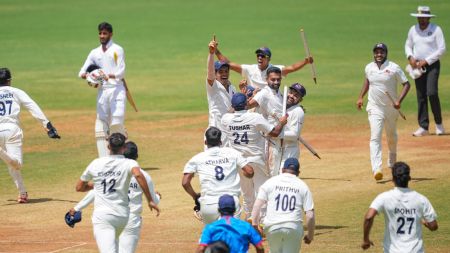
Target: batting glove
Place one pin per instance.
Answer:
(51, 131)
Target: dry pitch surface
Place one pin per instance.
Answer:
(341, 183)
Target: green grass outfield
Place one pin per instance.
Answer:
(45, 43)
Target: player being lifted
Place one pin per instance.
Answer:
(218, 171)
(111, 97)
(11, 136)
(244, 132)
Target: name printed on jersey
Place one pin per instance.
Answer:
(6, 95)
(109, 173)
(236, 128)
(286, 189)
(219, 161)
(404, 210)
(134, 185)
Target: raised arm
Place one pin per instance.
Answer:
(211, 75)
(234, 66)
(296, 66)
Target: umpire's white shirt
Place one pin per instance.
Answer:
(244, 132)
(112, 61)
(256, 77)
(11, 99)
(287, 197)
(218, 171)
(385, 78)
(428, 44)
(403, 211)
(270, 103)
(219, 101)
(111, 176)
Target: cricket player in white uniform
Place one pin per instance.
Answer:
(111, 97)
(404, 212)
(382, 77)
(256, 74)
(129, 237)
(245, 133)
(219, 90)
(218, 171)
(293, 128)
(11, 100)
(269, 102)
(287, 197)
(111, 177)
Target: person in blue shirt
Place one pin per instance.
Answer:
(237, 234)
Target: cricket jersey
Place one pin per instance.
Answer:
(256, 77)
(219, 101)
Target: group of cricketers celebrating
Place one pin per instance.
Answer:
(251, 149)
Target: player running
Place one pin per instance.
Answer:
(110, 178)
(111, 97)
(129, 237)
(11, 136)
(404, 212)
(218, 170)
(287, 197)
(244, 131)
(256, 74)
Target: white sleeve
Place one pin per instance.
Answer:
(440, 42)
(409, 43)
(245, 71)
(264, 190)
(32, 107)
(86, 176)
(191, 166)
(120, 71)
(308, 203)
(89, 61)
(262, 124)
(429, 214)
(88, 198)
(294, 124)
(400, 75)
(378, 203)
(240, 160)
(260, 97)
(151, 187)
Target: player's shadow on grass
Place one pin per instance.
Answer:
(327, 179)
(417, 179)
(326, 227)
(150, 168)
(39, 200)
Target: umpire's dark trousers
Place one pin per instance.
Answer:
(427, 89)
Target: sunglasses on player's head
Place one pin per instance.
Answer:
(261, 55)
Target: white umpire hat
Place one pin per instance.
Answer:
(423, 12)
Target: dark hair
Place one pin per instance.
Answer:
(273, 69)
(217, 247)
(92, 67)
(105, 26)
(400, 174)
(213, 137)
(116, 142)
(132, 150)
(5, 76)
(227, 210)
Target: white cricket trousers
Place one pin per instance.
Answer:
(11, 142)
(285, 240)
(130, 235)
(274, 155)
(250, 187)
(107, 228)
(111, 103)
(378, 118)
(209, 208)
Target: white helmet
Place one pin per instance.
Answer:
(96, 78)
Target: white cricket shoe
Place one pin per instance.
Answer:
(440, 129)
(420, 132)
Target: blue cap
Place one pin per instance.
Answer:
(72, 219)
(292, 164)
(299, 88)
(264, 50)
(219, 64)
(238, 100)
(250, 90)
(226, 202)
(380, 46)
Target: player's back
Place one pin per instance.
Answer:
(404, 210)
(10, 101)
(244, 131)
(111, 176)
(218, 170)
